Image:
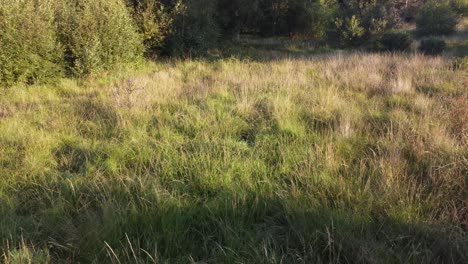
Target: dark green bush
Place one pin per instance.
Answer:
(357, 21)
(436, 18)
(268, 18)
(307, 18)
(395, 41)
(97, 34)
(460, 6)
(272, 19)
(236, 16)
(153, 21)
(432, 46)
(194, 28)
(29, 50)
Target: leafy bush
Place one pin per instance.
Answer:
(29, 50)
(153, 21)
(308, 18)
(356, 21)
(432, 46)
(436, 18)
(460, 6)
(97, 34)
(267, 18)
(194, 29)
(395, 41)
(350, 32)
(38, 39)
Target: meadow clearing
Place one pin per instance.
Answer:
(314, 158)
(233, 131)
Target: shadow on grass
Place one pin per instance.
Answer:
(142, 222)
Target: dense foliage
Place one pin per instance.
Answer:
(194, 28)
(395, 41)
(153, 21)
(97, 34)
(432, 46)
(29, 49)
(436, 18)
(45, 38)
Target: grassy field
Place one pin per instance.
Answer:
(340, 157)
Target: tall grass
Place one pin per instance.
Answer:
(325, 159)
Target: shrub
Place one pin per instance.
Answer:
(350, 32)
(460, 6)
(436, 18)
(194, 29)
(395, 41)
(29, 50)
(432, 46)
(357, 21)
(307, 19)
(97, 34)
(153, 22)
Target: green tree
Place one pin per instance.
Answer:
(436, 18)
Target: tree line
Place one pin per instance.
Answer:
(40, 39)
